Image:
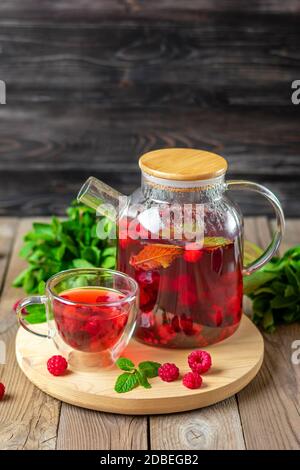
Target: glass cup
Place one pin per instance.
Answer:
(91, 315)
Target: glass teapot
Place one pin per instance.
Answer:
(181, 238)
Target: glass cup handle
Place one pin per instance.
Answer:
(34, 300)
(126, 335)
(280, 224)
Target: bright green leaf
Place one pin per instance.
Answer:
(149, 368)
(109, 262)
(126, 382)
(143, 380)
(125, 364)
(82, 263)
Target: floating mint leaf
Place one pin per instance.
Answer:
(126, 382)
(149, 368)
(125, 364)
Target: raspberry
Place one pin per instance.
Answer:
(192, 253)
(165, 333)
(168, 372)
(15, 306)
(93, 326)
(199, 361)
(217, 315)
(192, 380)
(186, 324)
(2, 391)
(57, 365)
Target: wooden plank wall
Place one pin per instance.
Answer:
(92, 85)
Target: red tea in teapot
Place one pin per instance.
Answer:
(89, 324)
(189, 297)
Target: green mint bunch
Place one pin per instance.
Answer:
(134, 376)
(275, 291)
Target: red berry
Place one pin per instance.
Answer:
(187, 296)
(175, 324)
(15, 306)
(168, 372)
(199, 361)
(192, 380)
(93, 326)
(217, 315)
(57, 365)
(165, 333)
(2, 391)
(186, 324)
(192, 253)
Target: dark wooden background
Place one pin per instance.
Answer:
(91, 85)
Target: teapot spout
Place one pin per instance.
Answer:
(104, 199)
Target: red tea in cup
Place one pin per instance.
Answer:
(85, 322)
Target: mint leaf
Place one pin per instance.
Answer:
(19, 280)
(268, 322)
(41, 287)
(82, 263)
(126, 382)
(109, 251)
(35, 314)
(43, 229)
(125, 364)
(109, 262)
(257, 280)
(149, 368)
(143, 381)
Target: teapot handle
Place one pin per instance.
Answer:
(277, 237)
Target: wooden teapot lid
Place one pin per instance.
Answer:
(182, 164)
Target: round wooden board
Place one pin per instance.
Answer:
(236, 361)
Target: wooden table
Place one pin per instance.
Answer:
(265, 415)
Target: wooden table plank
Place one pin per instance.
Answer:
(214, 427)
(92, 430)
(269, 406)
(28, 417)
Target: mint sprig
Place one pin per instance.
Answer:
(134, 376)
(275, 291)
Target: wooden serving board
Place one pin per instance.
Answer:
(236, 361)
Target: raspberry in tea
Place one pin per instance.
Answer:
(88, 324)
